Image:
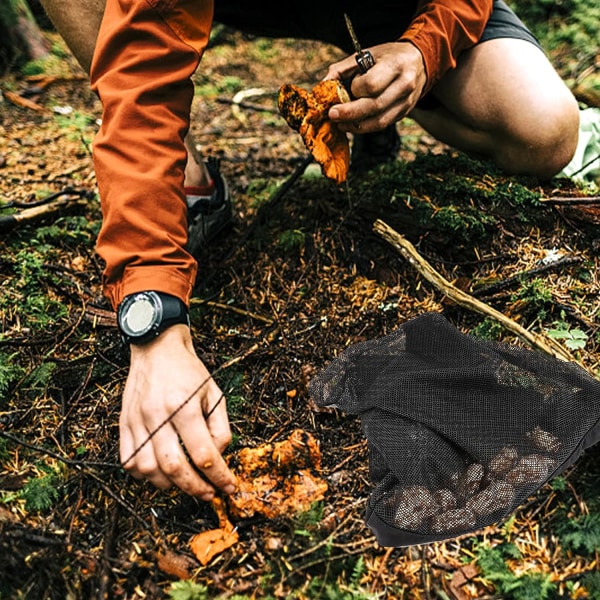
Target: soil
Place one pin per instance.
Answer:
(298, 277)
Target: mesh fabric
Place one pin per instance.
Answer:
(460, 430)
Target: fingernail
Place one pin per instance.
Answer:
(229, 489)
(334, 113)
(207, 497)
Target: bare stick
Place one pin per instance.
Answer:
(9, 222)
(409, 252)
(575, 200)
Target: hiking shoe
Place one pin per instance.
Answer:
(208, 215)
(372, 149)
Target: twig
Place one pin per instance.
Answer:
(409, 252)
(9, 222)
(33, 537)
(248, 105)
(83, 467)
(425, 574)
(80, 464)
(380, 569)
(234, 309)
(109, 549)
(565, 200)
(239, 98)
(493, 288)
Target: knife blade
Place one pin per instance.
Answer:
(364, 58)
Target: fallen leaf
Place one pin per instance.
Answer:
(22, 102)
(208, 544)
(459, 578)
(176, 564)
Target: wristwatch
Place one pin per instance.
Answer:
(142, 316)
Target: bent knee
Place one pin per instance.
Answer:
(548, 142)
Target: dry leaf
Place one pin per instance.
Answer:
(175, 564)
(22, 102)
(208, 544)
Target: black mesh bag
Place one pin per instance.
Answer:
(460, 430)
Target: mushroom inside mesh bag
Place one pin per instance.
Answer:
(460, 430)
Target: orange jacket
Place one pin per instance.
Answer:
(442, 29)
(146, 53)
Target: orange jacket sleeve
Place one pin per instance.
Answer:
(442, 29)
(146, 53)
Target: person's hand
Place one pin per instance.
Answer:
(385, 93)
(163, 374)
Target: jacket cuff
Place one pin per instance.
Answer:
(442, 29)
(143, 279)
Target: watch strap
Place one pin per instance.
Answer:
(173, 311)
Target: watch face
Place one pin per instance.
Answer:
(140, 314)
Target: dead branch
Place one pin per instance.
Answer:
(409, 253)
(575, 200)
(504, 284)
(27, 215)
(235, 309)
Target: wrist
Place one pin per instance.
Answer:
(167, 341)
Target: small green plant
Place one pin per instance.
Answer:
(306, 522)
(575, 339)
(67, 230)
(4, 454)
(359, 570)
(318, 589)
(492, 561)
(231, 382)
(260, 190)
(591, 582)
(291, 239)
(40, 493)
(573, 24)
(518, 195)
(230, 84)
(187, 590)
(265, 48)
(41, 376)
(29, 298)
(488, 329)
(10, 373)
(462, 223)
(243, 597)
(581, 534)
(559, 484)
(536, 297)
(78, 126)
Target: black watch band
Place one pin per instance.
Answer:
(144, 315)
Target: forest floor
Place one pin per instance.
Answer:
(299, 277)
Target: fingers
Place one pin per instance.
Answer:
(385, 93)
(161, 459)
(343, 69)
(205, 451)
(366, 114)
(218, 423)
(171, 443)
